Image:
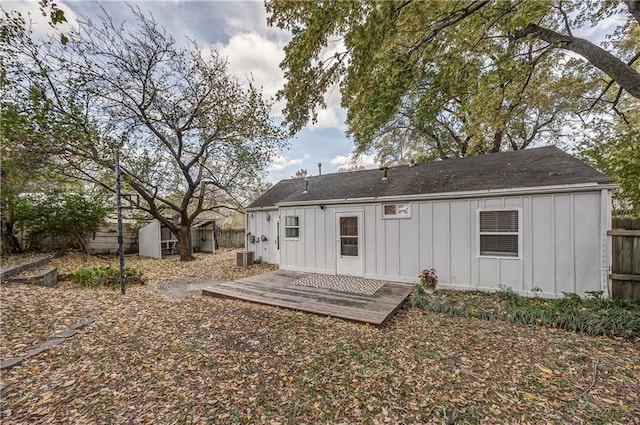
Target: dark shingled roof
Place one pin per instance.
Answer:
(546, 166)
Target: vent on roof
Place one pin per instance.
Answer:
(306, 185)
(244, 259)
(412, 163)
(384, 172)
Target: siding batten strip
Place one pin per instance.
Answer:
(573, 244)
(553, 243)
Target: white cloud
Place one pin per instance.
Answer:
(31, 12)
(282, 162)
(344, 161)
(327, 118)
(251, 55)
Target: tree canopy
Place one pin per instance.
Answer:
(439, 79)
(192, 137)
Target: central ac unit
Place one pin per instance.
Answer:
(244, 259)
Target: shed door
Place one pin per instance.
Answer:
(349, 244)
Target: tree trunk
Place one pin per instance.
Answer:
(9, 240)
(184, 242)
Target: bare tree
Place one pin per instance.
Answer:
(192, 137)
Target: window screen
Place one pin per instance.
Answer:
(499, 234)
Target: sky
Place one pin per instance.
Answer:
(239, 30)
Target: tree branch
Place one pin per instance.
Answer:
(622, 73)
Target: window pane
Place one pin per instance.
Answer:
(291, 221)
(390, 209)
(292, 232)
(348, 226)
(501, 245)
(349, 247)
(402, 209)
(499, 221)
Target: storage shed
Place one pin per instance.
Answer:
(534, 221)
(156, 240)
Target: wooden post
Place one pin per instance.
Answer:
(120, 232)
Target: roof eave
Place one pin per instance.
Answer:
(269, 207)
(580, 187)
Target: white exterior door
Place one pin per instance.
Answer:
(349, 244)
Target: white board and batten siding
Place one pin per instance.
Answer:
(562, 245)
(262, 226)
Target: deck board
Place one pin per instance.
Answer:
(275, 289)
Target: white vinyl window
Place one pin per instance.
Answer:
(396, 210)
(292, 226)
(499, 233)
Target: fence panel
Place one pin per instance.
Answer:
(625, 267)
(230, 238)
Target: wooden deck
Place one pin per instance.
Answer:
(275, 289)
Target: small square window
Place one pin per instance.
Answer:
(292, 226)
(396, 211)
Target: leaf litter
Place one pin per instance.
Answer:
(150, 359)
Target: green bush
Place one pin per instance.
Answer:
(105, 276)
(67, 218)
(592, 315)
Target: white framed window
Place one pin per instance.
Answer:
(292, 227)
(396, 210)
(499, 233)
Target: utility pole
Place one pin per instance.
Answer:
(120, 235)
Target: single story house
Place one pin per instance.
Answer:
(535, 221)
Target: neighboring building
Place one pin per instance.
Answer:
(534, 221)
(156, 240)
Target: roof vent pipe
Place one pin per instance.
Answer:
(306, 185)
(384, 175)
(412, 163)
(319, 168)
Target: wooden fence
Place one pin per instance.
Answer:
(230, 238)
(105, 240)
(625, 267)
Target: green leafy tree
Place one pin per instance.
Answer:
(614, 149)
(441, 79)
(192, 138)
(66, 218)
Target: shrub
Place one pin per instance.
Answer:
(67, 218)
(592, 315)
(105, 276)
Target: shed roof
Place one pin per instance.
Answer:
(537, 167)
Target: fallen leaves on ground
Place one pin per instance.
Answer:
(151, 359)
(220, 265)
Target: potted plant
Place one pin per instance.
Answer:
(428, 281)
